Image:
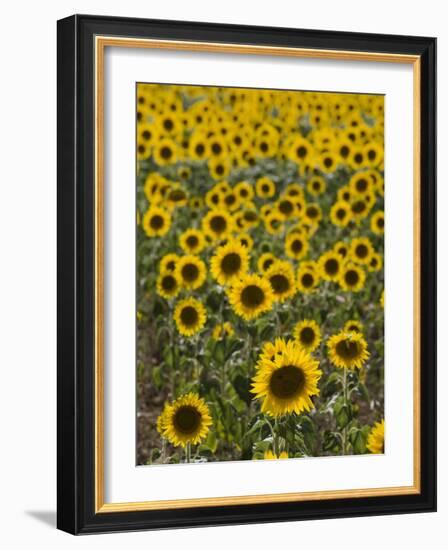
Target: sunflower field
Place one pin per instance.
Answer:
(260, 281)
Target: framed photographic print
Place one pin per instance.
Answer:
(246, 274)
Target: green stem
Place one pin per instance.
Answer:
(188, 453)
(276, 439)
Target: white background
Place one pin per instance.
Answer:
(28, 272)
(123, 481)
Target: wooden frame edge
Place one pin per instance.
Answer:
(100, 43)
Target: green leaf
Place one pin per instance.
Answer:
(331, 442)
(343, 413)
(233, 345)
(242, 388)
(157, 377)
(358, 439)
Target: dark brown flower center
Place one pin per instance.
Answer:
(189, 316)
(190, 272)
(280, 283)
(187, 420)
(166, 152)
(358, 207)
(361, 251)
(252, 296)
(177, 195)
(347, 349)
(192, 241)
(307, 335)
(168, 283)
(307, 280)
(287, 381)
(361, 185)
(351, 277)
(200, 149)
(312, 212)
(157, 222)
(331, 266)
(218, 224)
(296, 246)
(286, 207)
(231, 263)
(341, 213)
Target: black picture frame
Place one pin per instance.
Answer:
(76, 250)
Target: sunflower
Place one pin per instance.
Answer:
(307, 334)
(222, 331)
(231, 200)
(251, 296)
(360, 208)
(361, 250)
(353, 326)
(295, 191)
(377, 222)
(375, 441)
(168, 263)
(313, 213)
(300, 150)
(213, 198)
(282, 280)
(270, 350)
(327, 162)
(229, 262)
(269, 455)
(184, 172)
(286, 207)
(360, 183)
(196, 203)
(352, 277)
(265, 261)
(192, 241)
(190, 316)
(198, 146)
(376, 262)
(274, 222)
(341, 248)
(265, 188)
(176, 197)
(186, 420)
(156, 222)
(219, 168)
(165, 152)
(340, 213)
(168, 285)
(330, 265)
(357, 158)
(218, 224)
(348, 350)
(374, 153)
(249, 216)
(217, 146)
(296, 246)
(307, 279)
(191, 271)
(287, 383)
(344, 148)
(244, 190)
(245, 240)
(316, 186)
